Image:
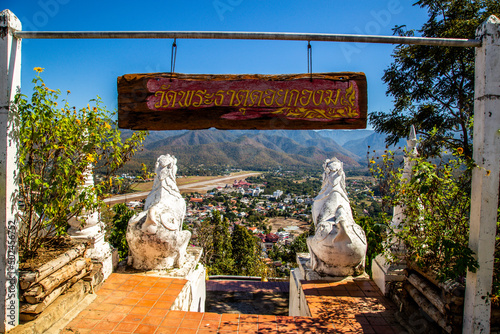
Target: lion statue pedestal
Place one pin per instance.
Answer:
(155, 236)
(338, 247)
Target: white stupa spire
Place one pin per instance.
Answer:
(412, 141)
(411, 152)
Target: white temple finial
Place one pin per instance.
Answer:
(413, 134)
(412, 141)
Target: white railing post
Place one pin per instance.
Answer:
(10, 82)
(485, 178)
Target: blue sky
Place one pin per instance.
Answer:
(90, 67)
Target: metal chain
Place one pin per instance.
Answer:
(173, 57)
(309, 58)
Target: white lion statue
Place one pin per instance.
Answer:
(155, 236)
(338, 247)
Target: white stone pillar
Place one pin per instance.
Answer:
(10, 82)
(88, 227)
(485, 178)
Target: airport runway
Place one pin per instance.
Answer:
(206, 185)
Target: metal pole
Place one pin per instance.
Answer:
(434, 41)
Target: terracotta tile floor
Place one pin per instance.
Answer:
(129, 303)
(355, 306)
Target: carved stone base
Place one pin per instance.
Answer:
(164, 249)
(306, 273)
(297, 303)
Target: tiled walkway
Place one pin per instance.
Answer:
(356, 306)
(141, 304)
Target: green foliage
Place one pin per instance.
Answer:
(204, 239)
(433, 86)
(119, 185)
(436, 203)
(213, 235)
(254, 217)
(117, 236)
(58, 145)
(384, 177)
(290, 186)
(246, 251)
(222, 260)
(375, 237)
(228, 254)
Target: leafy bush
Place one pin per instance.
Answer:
(436, 205)
(117, 235)
(58, 146)
(375, 237)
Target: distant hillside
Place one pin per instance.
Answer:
(260, 149)
(254, 149)
(191, 138)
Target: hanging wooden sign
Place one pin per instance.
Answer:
(164, 101)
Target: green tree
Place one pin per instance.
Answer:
(433, 86)
(204, 239)
(214, 237)
(246, 252)
(58, 145)
(375, 236)
(222, 261)
(231, 216)
(299, 245)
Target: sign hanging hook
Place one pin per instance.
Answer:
(309, 60)
(173, 57)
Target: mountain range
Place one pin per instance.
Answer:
(259, 149)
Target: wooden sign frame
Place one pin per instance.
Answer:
(165, 101)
